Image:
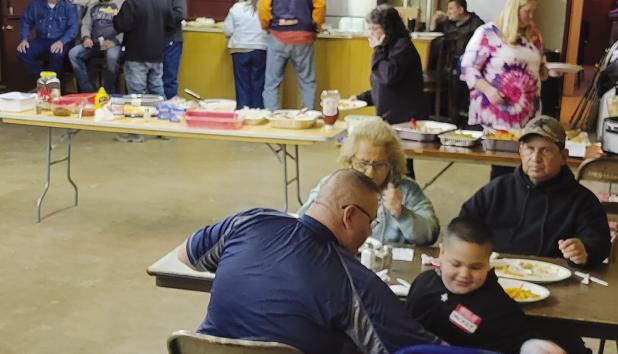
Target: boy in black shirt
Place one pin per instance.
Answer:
(462, 302)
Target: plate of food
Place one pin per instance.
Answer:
(253, 116)
(461, 138)
(293, 119)
(348, 105)
(501, 140)
(564, 67)
(523, 291)
(423, 130)
(530, 270)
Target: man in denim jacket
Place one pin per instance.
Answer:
(55, 25)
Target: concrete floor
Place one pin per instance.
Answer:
(77, 282)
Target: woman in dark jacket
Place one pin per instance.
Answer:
(396, 72)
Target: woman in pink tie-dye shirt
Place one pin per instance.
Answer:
(503, 66)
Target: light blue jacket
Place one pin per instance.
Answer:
(417, 224)
(242, 28)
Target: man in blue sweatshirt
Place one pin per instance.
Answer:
(55, 25)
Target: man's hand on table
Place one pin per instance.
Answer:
(574, 250)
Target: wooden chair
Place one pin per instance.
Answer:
(439, 75)
(188, 342)
(601, 169)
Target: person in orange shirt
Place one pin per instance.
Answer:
(293, 26)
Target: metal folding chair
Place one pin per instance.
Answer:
(189, 342)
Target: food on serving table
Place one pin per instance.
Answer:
(459, 135)
(502, 135)
(519, 294)
(297, 115)
(88, 110)
(423, 128)
(575, 135)
(253, 113)
(61, 111)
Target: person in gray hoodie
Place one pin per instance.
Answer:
(98, 36)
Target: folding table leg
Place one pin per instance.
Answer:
(50, 163)
(282, 154)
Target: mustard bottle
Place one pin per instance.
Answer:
(101, 98)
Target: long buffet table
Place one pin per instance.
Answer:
(283, 142)
(476, 155)
(343, 62)
(587, 309)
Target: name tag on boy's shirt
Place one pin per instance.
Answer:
(465, 319)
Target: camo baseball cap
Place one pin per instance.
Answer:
(547, 127)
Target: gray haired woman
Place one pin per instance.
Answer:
(405, 214)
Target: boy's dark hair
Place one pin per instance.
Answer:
(461, 3)
(469, 230)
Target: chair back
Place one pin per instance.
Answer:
(601, 169)
(189, 342)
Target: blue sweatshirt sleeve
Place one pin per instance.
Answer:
(27, 21)
(71, 31)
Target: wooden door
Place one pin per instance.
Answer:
(12, 73)
(216, 9)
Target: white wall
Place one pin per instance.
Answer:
(349, 8)
(550, 16)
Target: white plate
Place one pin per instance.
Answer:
(348, 105)
(293, 114)
(530, 270)
(541, 291)
(426, 35)
(564, 67)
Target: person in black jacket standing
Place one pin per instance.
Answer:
(146, 24)
(541, 209)
(396, 71)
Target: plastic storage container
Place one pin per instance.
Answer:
(212, 120)
(17, 101)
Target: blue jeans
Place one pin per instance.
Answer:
(78, 57)
(38, 48)
(171, 63)
(249, 78)
(277, 57)
(143, 78)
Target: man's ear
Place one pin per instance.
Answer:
(564, 155)
(347, 217)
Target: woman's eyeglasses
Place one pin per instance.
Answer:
(363, 165)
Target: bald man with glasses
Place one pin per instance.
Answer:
(297, 281)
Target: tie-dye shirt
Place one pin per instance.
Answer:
(512, 69)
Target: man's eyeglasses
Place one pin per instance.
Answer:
(363, 165)
(361, 209)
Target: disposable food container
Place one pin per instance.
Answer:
(212, 120)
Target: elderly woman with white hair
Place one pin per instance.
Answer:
(405, 214)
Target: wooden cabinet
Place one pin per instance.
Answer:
(216, 9)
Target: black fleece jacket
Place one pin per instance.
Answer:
(396, 82)
(503, 326)
(529, 219)
(146, 25)
(461, 32)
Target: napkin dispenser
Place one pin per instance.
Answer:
(610, 135)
